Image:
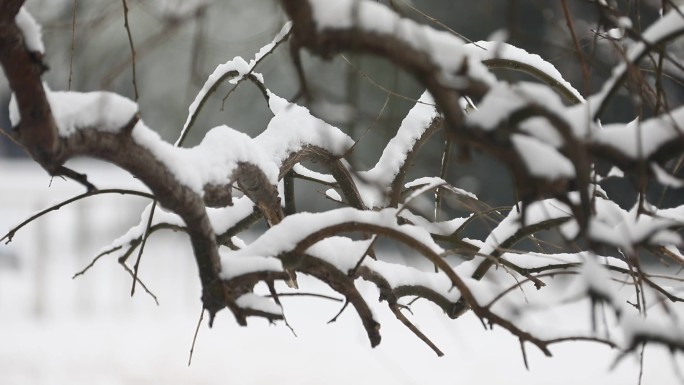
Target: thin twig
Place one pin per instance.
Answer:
(380, 86)
(301, 294)
(352, 272)
(372, 125)
(142, 247)
(446, 160)
(339, 313)
(130, 42)
(578, 49)
(251, 70)
(437, 22)
(274, 294)
(58, 206)
(641, 362)
(73, 43)
(397, 312)
(78, 177)
(97, 257)
(142, 284)
(194, 336)
(524, 354)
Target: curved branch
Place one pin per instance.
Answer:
(132, 244)
(10, 234)
(433, 257)
(398, 182)
(339, 282)
(507, 244)
(337, 169)
(552, 82)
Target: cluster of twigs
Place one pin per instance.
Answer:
(457, 289)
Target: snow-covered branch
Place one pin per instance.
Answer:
(216, 190)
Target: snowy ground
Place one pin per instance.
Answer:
(55, 330)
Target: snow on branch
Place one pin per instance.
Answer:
(504, 55)
(444, 49)
(104, 111)
(31, 31)
(626, 229)
(643, 140)
(235, 69)
(387, 176)
(549, 147)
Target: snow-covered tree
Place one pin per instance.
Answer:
(547, 134)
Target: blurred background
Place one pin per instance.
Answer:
(55, 330)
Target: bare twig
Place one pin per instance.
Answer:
(401, 317)
(97, 257)
(194, 336)
(58, 206)
(142, 284)
(580, 56)
(73, 42)
(130, 42)
(142, 247)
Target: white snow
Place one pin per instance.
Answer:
(666, 330)
(295, 228)
(137, 231)
(342, 252)
(444, 49)
(595, 279)
(31, 30)
(665, 178)
(640, 140)
(444, 228)
(541, 159)
(398, 275)
(150, 344)
(259, 303)
(238, 65)
(412, 127)
(431, 182)
(615, 172)
(102, 111)
(536, 260)
(625, 229)
(213, 161)
(504, 99)
(293, 128)
(539, 128)
(235, 266)
(535, 213)
(333, 194)
(305, 172)
(487, 50)
(224, 218)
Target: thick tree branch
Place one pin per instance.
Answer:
(37, 131)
